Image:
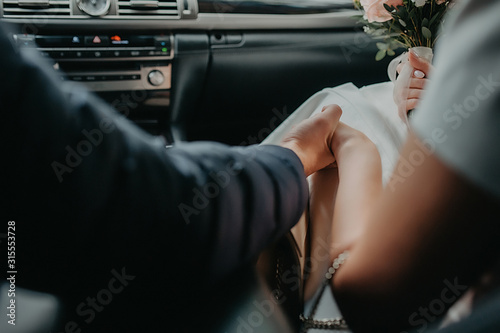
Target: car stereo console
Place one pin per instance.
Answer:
(108, 62)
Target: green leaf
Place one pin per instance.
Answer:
(425, 22)
(388, 8)
(396, 30)
(379, 32)
(373, 25)
(382, 46)
(390, 52)
(426, 32)
(380, 55)
(403, 23)
(433, 19)
(413, 15)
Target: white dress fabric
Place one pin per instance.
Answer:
(369, 109)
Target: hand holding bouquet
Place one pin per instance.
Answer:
(402, 23)
(411, 24)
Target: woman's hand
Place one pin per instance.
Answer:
(311, 139)
(409, 93)
(347, 138)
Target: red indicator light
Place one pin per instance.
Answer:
(116, 38)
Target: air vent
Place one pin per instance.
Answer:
(164, 8)
(35, 8)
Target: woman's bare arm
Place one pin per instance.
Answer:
(421, 239)
(360, 184)
(356, 182)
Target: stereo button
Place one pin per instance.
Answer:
(156, 78)
(96, 40)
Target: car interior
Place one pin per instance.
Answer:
(220, 70)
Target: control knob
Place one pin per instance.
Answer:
(156, 77)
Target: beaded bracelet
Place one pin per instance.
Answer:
(327, 324)
(336, 264)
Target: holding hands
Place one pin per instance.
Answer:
(318, 140)
(312, 139)
(323, 141)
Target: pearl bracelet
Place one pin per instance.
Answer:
(330, 324)
(336, 264)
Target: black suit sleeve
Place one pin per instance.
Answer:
(92, 193)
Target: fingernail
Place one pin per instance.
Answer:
(419, 74)
(414, 53)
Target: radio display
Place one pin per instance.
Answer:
(101, 40)
(110, 46)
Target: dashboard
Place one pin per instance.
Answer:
(198, 70)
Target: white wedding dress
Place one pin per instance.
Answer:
(371, 110)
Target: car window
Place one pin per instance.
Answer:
(274, 6)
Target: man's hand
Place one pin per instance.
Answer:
(311, 140)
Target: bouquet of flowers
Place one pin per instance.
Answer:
(402, 23)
